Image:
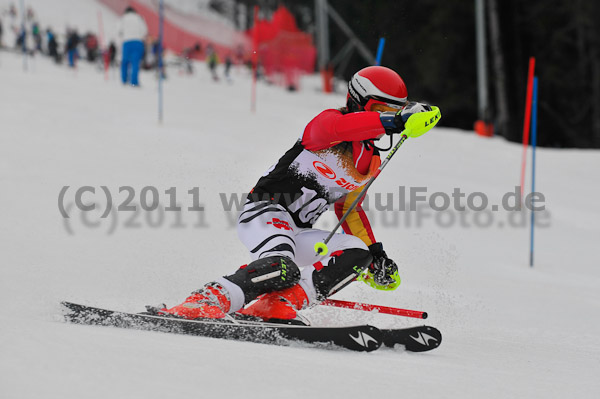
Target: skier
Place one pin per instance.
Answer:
(212, 59)
(330, 163)
(132, 31)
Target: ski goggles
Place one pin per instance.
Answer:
(378, 106)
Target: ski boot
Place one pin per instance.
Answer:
(278, 306)
(210, 302)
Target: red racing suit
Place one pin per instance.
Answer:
(329, 164)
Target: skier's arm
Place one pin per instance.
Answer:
(382, 274)
(331, 127)
(395, 122)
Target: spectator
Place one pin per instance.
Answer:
(91, 47)
(37, 36)
(228, 63)
(1, 31)
(52, 46)
(156, 63)
(132, 31)
(112, 53)
(188, 54)
(239, 54)
(13, 38)
(21, 39)
(150, 59)
(31, 29)
(213, 60)
(71, 47)
(154, 49)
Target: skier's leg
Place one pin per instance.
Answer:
(229, 293)
(268, 232)
(272, 273)
(267, 229)
(321, 276)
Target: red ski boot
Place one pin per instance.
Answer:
(278, 305)
(211, 302)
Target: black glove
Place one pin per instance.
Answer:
(394, 122)
(383, 269)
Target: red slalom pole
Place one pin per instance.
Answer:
(369, 308)
(526, 122)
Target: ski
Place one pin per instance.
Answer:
(414, 339)
(362, 338)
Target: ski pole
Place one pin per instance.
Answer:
(321, 247)
(369, 308)
(417, 125)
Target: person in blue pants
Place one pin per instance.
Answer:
(71, 47)
(133, 50)
(133, 31)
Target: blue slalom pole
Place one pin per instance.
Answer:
(380, 51)
(161, 9)
(533, 145)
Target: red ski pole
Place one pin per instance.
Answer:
(381, 309)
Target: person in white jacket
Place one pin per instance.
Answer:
(132, 32)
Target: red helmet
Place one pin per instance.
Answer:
(375, 85)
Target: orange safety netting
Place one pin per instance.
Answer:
(283, 49)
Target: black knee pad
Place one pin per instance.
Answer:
(340, 271)
(268, 274)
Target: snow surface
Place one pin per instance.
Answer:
(509, 330)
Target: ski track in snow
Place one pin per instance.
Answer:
(509, 331)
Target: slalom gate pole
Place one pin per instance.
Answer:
(380, 51)
(533, 146)
(321, 247)
(370, 308)
(161, 18)
(526, 122)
